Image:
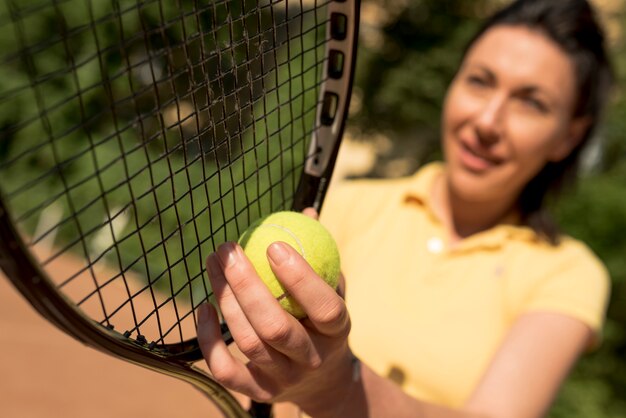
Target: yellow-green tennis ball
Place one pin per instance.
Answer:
(305, 235)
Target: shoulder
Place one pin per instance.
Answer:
(373, 195)
(569, 278)
(569, 254)
(365, 189)
(582, 265)
(351, 204)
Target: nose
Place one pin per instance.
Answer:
(489, 121)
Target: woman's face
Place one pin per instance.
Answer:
(507, 113)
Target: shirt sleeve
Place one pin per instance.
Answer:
(578, 286)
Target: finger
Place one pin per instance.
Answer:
(269, 320)
(224, 367)
(325, 309)
(244, 335)
(341, 286)
(311, 213)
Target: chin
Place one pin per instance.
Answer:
(476, 187)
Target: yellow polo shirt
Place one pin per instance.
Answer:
(431, 317)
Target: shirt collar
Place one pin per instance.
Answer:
(419, 188)
(419, 192)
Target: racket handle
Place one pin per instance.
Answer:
(310, 193)
(260, 410)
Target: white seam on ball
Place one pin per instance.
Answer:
(294, 236)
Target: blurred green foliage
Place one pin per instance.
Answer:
(409, 52)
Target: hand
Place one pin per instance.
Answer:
(303, 362)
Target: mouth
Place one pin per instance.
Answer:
(476, 160)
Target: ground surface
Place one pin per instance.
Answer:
(46, 374)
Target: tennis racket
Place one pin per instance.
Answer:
(138, 135)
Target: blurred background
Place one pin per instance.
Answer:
(409, 50)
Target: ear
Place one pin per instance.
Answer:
(574, 135)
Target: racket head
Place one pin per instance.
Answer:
(139, 151)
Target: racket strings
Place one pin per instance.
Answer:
(189, 121)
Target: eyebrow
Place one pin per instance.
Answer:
(527, 89)
(484, 69)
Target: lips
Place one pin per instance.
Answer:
(476, 160)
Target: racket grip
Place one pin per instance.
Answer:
(310, 193)
(260, 410)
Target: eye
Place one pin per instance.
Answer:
(535, 103)
(478, 81)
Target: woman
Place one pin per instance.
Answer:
(462, 299)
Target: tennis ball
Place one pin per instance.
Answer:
(305, 235)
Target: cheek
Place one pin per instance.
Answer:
(533, 141)
(456, 108)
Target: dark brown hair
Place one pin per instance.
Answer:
(573, 25)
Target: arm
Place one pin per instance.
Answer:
(530, 366)
(309, 362)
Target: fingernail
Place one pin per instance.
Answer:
(311, 212)
(278, 253)
(203, 311)
(212, 263)
(227, 254)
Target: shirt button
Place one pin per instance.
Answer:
(435, 245)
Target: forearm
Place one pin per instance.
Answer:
(373, 396)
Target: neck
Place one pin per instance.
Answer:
(463, 218)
